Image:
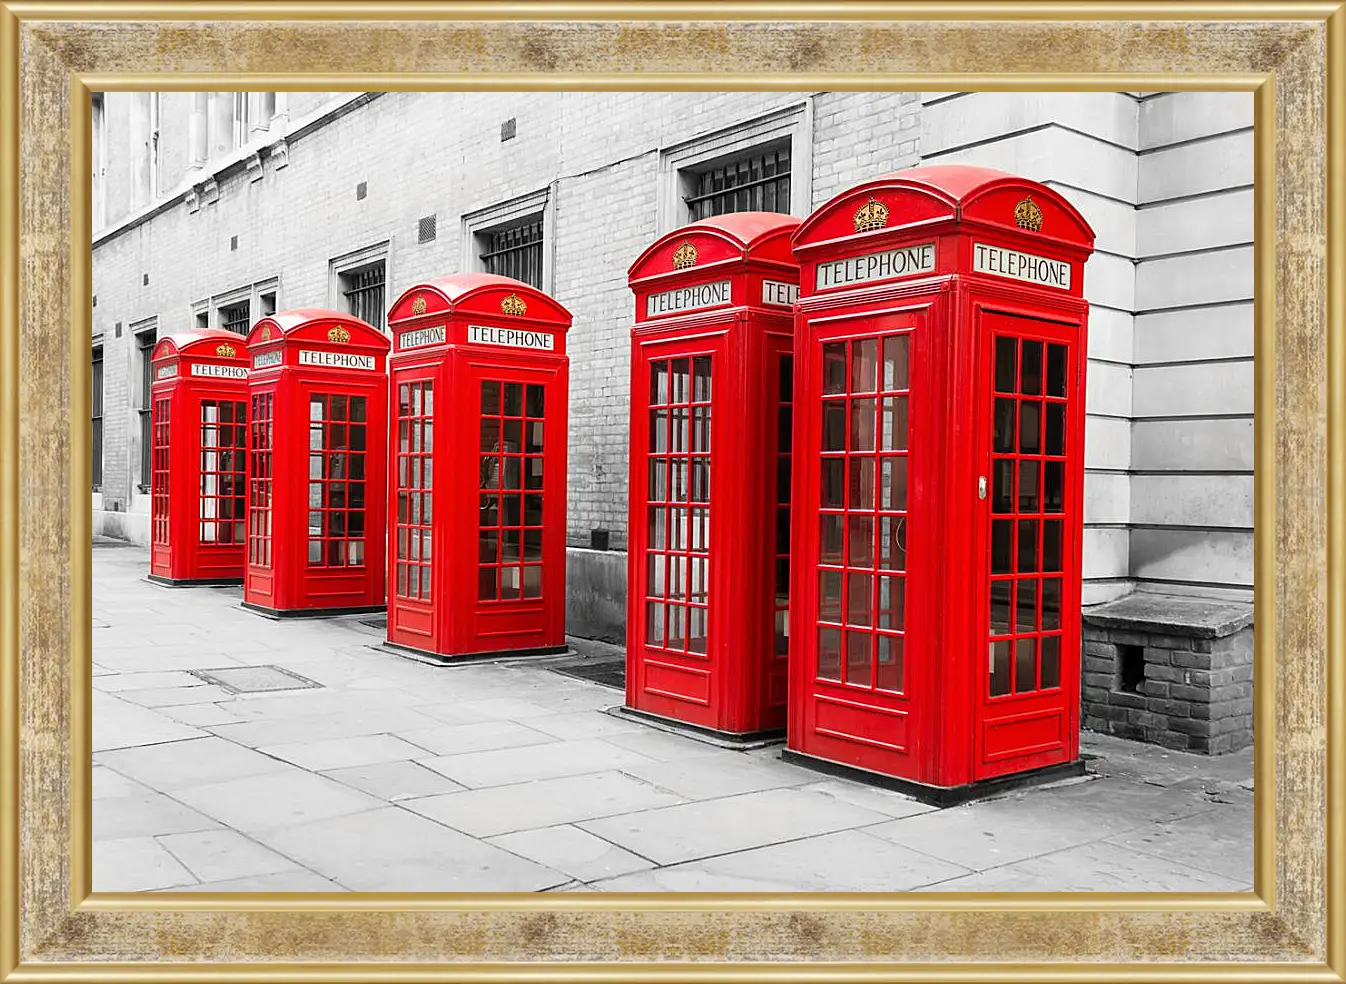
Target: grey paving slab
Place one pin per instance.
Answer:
(145, 815)
(394, 781)
(149, 658)
(590, 723)
(198, 693)
(572, 851)
(298, 880)
(200, 715)
(458, 739)
(119, 724)
(220, 855)
(339, 724)
(733, 823)
(1219, 841)
(339, 753)
(847, 861)
(888, 801)
(1095, 867)
(287, 799)
(404, 852)
(192, 762)
(107, 784)
(494, 709)
(663, 747)
(511, 765)
(136, 864)
(723, 774)
(544, 803)
(115, 682)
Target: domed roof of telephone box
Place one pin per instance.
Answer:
(734, 236)
(188, 342)
(479, 293)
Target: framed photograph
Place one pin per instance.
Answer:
(620, 491)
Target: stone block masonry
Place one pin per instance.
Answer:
(1174, 671)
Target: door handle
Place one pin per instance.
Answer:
(981, 487)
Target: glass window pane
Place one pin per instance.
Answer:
(1055, 439)
(697, 624)
(893, 483)
(896, 362)
(1051, 545)
(536, 401)
(1002, 538)
(1053, 486)
(889, 667)
(1025, 665)
(860, 546)
(862, 483)
(859, 599)
(1032, 368)
(834, 368)
(892, 603)
(490, 434)
(1056, 370)
(862, 425)
(864, 365)
(1000, 607)
(1051, 662)
(829, 538)
(658, 384)
(892, 543)
(834, 425)
(677, 625)
(1029, 501)
(658, 479)
(859, 659)
(532, 581)
(513, 400)
(1028, 546)
(1002, 486)
(654, 623)
(895, 425)
(1051, 604)
(833, 487)
(680, 378)
(532, 544)
(658, 528)
(701, 380)
(488, 546)
(490, 398)
(1003, 439)
(1026, 605)
(1006, 352)
(1030, 427)
(658, 431)
(1000, 666)
(829, 595)
(829, 654)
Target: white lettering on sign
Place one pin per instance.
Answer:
(267, 359)
(687, 298)
(908, 261)
(337, 360)
(779, 294)
(166, 372)
(1011, 263)
(513, 337)
(421, 336)
(228, 372)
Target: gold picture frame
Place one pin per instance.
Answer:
(1291, 55)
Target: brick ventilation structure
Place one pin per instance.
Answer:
(1173, 671)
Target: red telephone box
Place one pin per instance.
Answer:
(478, 468)
(198, 424)
(317, 516)
(940, 342)
(707, 622)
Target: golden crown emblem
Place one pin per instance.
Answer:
(339, 335)
(1027, 215)
(872, 215)
(266, 333)
(418, 305)
(225, 351)
(684, 256)
(513, 304)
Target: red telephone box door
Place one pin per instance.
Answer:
(1030, 443)
(859, 706)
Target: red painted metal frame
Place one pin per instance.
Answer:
(302, 361)
(703, 598)
(944, 728)
(459, 341)
(196, 512)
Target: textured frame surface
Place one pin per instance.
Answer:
(1291, 55)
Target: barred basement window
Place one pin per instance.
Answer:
(363, 289)
(235, 318)
(144, 347)
(759, 182)
(515, 251)
(97, 415)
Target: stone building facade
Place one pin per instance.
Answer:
(214, 208)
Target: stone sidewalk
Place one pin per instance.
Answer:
(376, 773)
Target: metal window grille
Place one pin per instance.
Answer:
(97, 413)
(758, 183)
(516, 252)
(364, 293)
(235, 318)
(144, 347)
(425, 232)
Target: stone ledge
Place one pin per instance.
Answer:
(1173, 615)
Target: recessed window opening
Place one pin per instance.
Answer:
(1130, 668)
